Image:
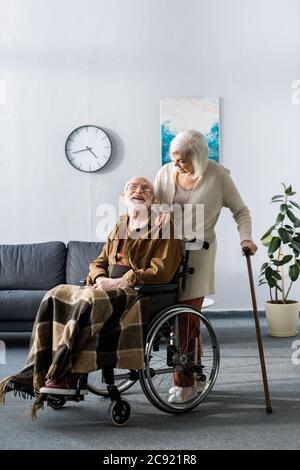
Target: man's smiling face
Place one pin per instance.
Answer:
(138, 191)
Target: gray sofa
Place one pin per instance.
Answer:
(27, 272)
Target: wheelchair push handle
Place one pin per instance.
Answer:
(205, 244)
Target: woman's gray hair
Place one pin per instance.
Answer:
(192, 145)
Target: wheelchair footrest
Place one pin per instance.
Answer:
(64, 397)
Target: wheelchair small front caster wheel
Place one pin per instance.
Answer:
(56, 402)
(119, 413)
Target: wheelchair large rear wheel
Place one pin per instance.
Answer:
(124, 379)
(180, 340)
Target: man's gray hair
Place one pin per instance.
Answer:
(140, 177)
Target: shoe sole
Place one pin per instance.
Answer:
(59, 391)
(181, 401)
(199, 388)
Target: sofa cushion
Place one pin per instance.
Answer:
(80, 255)
(18, 305)
(38, 266)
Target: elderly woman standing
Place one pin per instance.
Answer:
(191, 178)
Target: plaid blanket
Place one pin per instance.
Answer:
(79, 330)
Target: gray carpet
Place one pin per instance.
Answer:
(232, 417)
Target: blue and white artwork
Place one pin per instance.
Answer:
(200, 114)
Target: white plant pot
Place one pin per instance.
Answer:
(282, 318)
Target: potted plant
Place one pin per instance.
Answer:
(283, 243)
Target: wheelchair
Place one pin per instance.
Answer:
(169, 349)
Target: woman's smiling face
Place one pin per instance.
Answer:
(181, 163)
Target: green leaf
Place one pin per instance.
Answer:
(266, 241)
(295, 204)
(297, 223)
(278, 287)
(272, 282)
(286, 259)
(289, 191)
(263, 267)
(295, 249)
(261, 283)
(294, 271)
(288, 227)
(295, 244)
(285, 236)
(276, 275)
(279, 219)
(277, 196)
(291, 216)
(274, 245)
(283, 208)
(269, 274)
(268, 233)
(284, 186)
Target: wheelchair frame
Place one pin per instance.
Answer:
(163, 332)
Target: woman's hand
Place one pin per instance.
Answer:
(106, 283)
(249, 244)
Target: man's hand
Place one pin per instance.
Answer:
(106, 283)
(249, 244)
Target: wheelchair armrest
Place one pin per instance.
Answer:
(155, 289)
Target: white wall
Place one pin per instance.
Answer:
(68, 62)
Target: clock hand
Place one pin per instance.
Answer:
(90, 149)
(83, 150)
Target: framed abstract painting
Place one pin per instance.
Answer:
(183, 113)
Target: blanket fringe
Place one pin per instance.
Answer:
(4, 388)
(39, 403)
(50, 377)
(38, 382)
(22, 394)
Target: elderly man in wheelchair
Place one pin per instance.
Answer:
(137, 255)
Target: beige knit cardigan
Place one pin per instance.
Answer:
(215, 190)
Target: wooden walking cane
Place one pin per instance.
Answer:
(269, 410)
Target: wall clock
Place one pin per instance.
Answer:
(88, 148)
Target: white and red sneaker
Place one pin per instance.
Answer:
(182, 394)
(66, 386)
